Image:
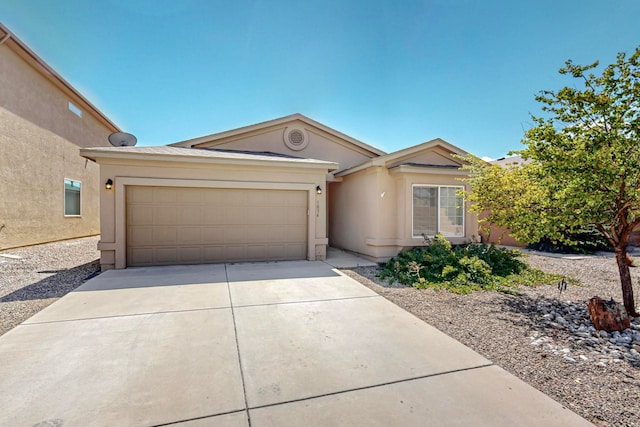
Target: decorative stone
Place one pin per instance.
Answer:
(623, 340)
(616, 354)
(608, 315)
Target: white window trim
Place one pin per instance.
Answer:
(457, 187)
(64, 198)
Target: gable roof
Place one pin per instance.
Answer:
(7, 38)
(396, 158)
(203, 155)
(276, 122)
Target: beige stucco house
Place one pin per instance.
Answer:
(47, 191)
(285, 189)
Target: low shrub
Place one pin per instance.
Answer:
(463, 268)
(586, 240)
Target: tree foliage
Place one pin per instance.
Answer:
(582, 164)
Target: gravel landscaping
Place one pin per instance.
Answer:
(33, 277)
(541, 336)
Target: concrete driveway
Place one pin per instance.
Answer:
(265, 344)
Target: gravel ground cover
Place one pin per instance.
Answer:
(34, 277)
(541, 336)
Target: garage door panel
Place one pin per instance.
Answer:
(165, 215)
(294, 198)
(190, 215)
(141, 256)
(165, 195)
(165, 236)
(234, 198)
(296, 233)
(166, 255)
(258, 252)
(259, 234)
(213, 235)
(140, 194)
(213, 253)
(266, 215)
(189, 235)
(189, 196)
(295, 251)
(213, 215)
(141, 214)
(296, 215)
(205, 225)
(236, 253)
(141, 235)
(236, 215)
(190, 255)
(235, 234)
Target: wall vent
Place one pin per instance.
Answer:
(296, 138)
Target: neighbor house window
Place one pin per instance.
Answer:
(75, 109)
(437, 210)
(71, 197)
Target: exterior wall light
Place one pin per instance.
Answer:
(109, 184)
(318, 190)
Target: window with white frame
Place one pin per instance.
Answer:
(72, 197)
(437, 209)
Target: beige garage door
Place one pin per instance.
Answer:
(171, 225)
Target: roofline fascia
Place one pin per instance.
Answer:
(275, 122)
(357, 168)
(93, 155)
(421, 147)
(24, 52)
(389, 158)
(426, 170)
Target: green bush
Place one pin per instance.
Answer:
(586, 240)
(461, 269)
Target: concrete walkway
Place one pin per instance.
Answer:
(264, 344)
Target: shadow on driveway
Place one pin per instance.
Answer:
(55, 286)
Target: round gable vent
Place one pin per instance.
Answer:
(296, 138)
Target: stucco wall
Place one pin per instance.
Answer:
(39, 142)
(371, 211)
(353, 211)
(146, 172)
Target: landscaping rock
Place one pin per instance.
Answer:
(608, 315)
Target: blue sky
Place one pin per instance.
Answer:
(389, 73)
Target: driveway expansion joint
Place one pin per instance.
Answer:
(204, 417)
(235, 333)
(307, 302)
(335, 393)
(115, 316)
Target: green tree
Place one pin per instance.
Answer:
(582, 165)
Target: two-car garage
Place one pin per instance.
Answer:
(178, 225)
(174, 205)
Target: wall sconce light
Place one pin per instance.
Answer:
(318, 190)
(109, 184)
